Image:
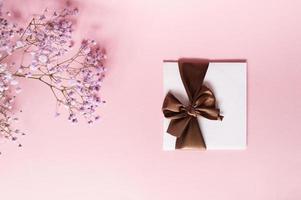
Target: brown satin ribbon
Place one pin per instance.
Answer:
(184, 124)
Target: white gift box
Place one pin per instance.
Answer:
(228, 80)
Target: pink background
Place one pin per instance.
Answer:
(121, 157)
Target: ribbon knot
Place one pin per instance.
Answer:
(191, 111)
(184, 124)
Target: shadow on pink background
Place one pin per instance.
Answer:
(121, 157)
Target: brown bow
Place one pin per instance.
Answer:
(184, 124)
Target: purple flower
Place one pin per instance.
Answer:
(46, 45)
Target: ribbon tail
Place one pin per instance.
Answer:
(177, 127)
(192, 137)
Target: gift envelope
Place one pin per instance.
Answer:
(228, 81)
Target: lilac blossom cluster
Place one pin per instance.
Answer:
(44, 51)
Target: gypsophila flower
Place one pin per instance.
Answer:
(46, 56)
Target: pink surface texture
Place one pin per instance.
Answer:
(121, 157)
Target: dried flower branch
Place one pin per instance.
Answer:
(42, 52)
